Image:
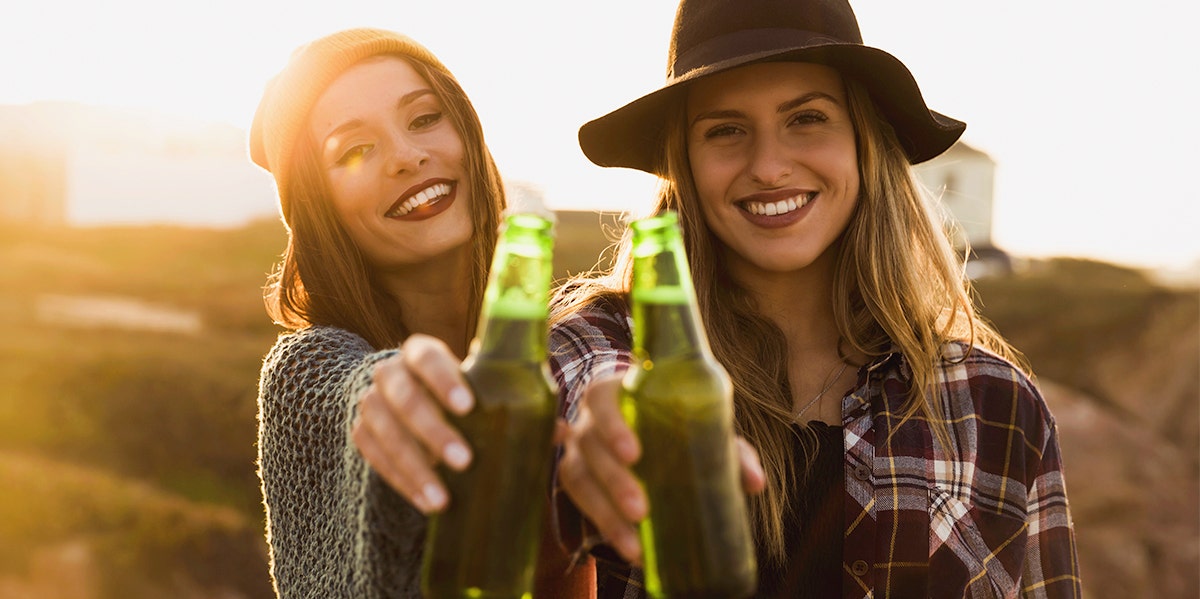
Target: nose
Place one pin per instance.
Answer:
(769, 163)
(405, 155)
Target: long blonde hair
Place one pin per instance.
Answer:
(897, 283)
(324, 278)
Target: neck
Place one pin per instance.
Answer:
(800, 303)
(435, 298)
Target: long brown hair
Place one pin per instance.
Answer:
(324, 278)
(897, 283)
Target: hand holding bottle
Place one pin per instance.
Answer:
(596, 469)
(402, 429)
(485, 543)
(676, 401)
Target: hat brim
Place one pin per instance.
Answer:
(632, 136)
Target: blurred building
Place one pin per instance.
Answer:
(962, 184)
(69, 164)
(33, 167)
(63, 163)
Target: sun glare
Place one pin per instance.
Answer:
(534, 82)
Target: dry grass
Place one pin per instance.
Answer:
(136, 448)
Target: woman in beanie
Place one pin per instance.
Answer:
(392, 203)
(903, 449)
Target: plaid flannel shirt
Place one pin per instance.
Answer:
(988, 519)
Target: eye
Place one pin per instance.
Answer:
(723, 130)
(425, 121)
(354, 155)
(807, 117)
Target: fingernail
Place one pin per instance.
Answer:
(418, 501)
(757, 470)
(629, 546)
(460, 400)
(457, 455)
(634, 506)
(626, 450)
(434, 496)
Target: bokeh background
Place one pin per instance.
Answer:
(135, 238)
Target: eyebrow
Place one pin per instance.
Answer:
(782, 108)
(404, 100)
(805, 99)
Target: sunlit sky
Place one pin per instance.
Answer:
(1089, 108)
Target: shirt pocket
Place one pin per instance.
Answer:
(973, 552)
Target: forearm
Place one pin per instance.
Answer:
(323, 507)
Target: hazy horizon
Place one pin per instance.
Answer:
(1091, 130)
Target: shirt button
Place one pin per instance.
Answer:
(859, 568)
(862, 473)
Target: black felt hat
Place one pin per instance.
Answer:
(711, 36)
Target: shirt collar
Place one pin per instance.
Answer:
(891, 359)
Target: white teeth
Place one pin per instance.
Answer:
(780, 207)
(425, 196)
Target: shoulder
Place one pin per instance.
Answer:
(319, 338)
(318, 357)
(983, 370)
(315, 345)
(601, 326)
(607, 316)
(976, 383)
(589, 341)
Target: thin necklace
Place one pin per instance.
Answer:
(812, 401)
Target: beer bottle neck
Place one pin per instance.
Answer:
(512, 331)
(512, 321)
(664, 303)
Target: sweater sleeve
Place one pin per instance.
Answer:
(334, 528)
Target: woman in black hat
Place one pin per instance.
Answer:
(904, 450)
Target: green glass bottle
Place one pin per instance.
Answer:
(484, 545)
(679, 401)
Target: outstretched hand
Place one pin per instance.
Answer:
(401, 428)
(596, 468)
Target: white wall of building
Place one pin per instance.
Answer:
(134, 186)
(111, 166)
(961, 182)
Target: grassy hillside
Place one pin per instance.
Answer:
(135, 446)
(1111, 333)
(127, 455)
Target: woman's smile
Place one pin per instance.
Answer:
(776, 209)
(430, 199)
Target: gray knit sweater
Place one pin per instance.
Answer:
(335, 529)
